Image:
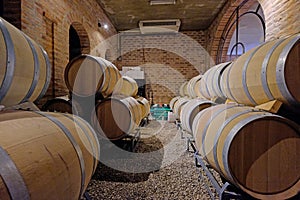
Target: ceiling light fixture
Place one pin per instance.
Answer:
(105, 26)
(162, 2)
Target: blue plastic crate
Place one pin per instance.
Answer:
(160, 113)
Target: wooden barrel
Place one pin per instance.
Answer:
(116, 117)
(224, 80)
(254, 150)
(59, 104)
(126, 86)
(203, 89)
(25, 68)
(213, 80)
(49, 156)
(191, 87)
(190, 110)
(270, 71)
(197, 88)
(183, 89)
(173, 101)
(178, 106)
(210, 84)
(87, 75)
(144, 106)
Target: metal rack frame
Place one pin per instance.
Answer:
(87, 196)
(225, 191)
(189, 139)
(129, 142)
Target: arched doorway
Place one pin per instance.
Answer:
(74, 44)
(9, 7)
(244, 30)
(78, 41)
(1, 8)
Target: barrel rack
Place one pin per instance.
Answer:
(144, 122)
(188, 138)
(87, 196)
(225, 191)
(130, 141)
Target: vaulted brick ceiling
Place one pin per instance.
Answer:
(194, 14)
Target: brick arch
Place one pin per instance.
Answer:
(83, 36)
(217, 29)
(79, 24)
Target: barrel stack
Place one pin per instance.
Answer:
(210, 84)
(253, 148)
(177, 102)
(88, 75)
(268, 72)
(100, 97)
(89, 80)
(190, 110)
(43, 155)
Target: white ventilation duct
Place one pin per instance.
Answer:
(162, 2)
(159, 26)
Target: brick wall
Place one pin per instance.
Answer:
(48, 22)
(167, 60)
(282, 17)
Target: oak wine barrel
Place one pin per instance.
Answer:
(45, 155)
(59, 104)
(126, 86)
(192, 88)
(25, 68)
(197, 89)
(88, 75)
(173, 101)
(254, 150)
(190, 110)
(178, 106)
(183, 89)
(265, 73)
(114, 118)
(213, 80)
(203, 87)
(144, 106)
(210, 84)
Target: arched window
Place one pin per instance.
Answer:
(245, 30)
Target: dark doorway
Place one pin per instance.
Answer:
(74, 44)
(11, 12)
(1, 8)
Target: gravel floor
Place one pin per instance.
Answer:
(161, 168)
